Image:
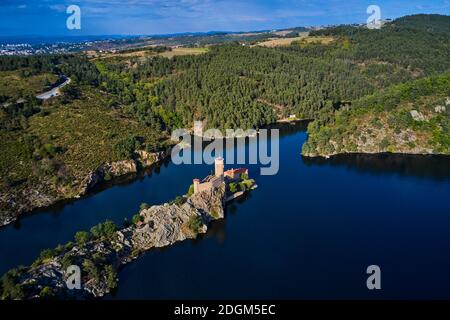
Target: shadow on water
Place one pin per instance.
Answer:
(121, 181)
(434, 167)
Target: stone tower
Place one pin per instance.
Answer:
(196, 185)
(219, 167)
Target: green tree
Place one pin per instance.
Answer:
(111, 276)
(82, 237)
(46, 293)
(233, 187)
(90, 268)
(195, 223)
(191, 190)
(10, 288)
(137, 218)
(124, 149)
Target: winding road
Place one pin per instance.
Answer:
(55, 91)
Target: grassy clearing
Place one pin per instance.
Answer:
(302, 39)
(318, 40)
(146, 52)
(279, 42)
(87, 130)
(80, 136)
(184, 52)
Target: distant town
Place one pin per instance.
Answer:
(110, 44)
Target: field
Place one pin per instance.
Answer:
(303, 39)
(279, 42)
(146, 52)
(183, 52)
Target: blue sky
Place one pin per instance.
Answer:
(48, 17)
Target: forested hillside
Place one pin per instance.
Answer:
(407, 118)
(239, 86)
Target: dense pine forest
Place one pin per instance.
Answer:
(125, 101)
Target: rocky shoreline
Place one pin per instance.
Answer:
(108, 249)
(30, 199)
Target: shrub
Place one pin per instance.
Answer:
(136, 218)
(233, 187)
(179, 200)
(214, 214)
(244, 176)
(124, 149)
(195, 223)
(67, 261)
(104, 230)
(144, 206)
(47, 254)
(126, 223)
(46, 293)
(384, 144)
(153, 146)
(111, 276)
(10, 288)
(107, 176)
(191, 190)
(90, 268)
(82, 237)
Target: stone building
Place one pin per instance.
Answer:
(235, 174)
(212, 181)
(219, 177)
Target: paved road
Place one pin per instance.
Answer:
(54, 92)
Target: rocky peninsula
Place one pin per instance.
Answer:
(105, 249)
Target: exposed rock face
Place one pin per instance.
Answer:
(148, 158)
(14, 204)
(417, 116)
(163, 225)
(440, 109)
(91, 180)
(211, 202)
(120, 168)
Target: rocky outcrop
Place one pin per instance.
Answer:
(13, 204)
(417, 116)
(162, 226)
(209, 202)
(147, 159)
(107, 171)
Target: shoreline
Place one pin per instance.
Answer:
(94, 182)
(329, 156)
(142, 170)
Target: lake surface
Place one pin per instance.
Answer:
(308, 232)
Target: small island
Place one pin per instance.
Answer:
(102, 251)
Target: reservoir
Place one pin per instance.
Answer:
(309, 232)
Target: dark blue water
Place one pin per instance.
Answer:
(308, 232)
